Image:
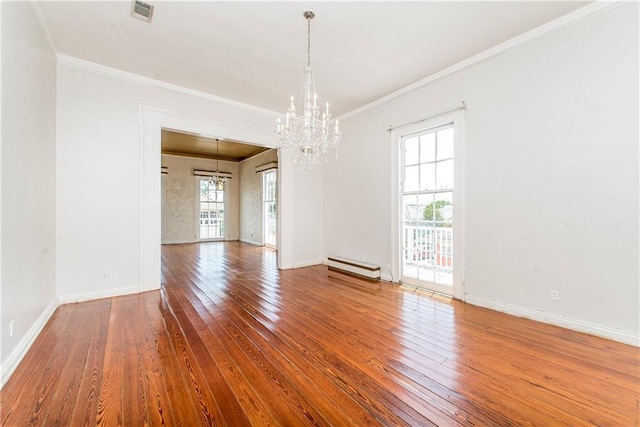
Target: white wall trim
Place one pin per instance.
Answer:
(105, 293)
(251, 242)
(151, 121)
(43, 25)
(180, 242)
(205, 127)
(308, 263)
(82, 64)
(18, 353)
(626, 337)
(541, 31)
(386, 277)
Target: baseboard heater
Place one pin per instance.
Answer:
(356, 268)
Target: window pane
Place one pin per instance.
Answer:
(444, 174)
(425, 200)
(411, 151)
(410, 208)
(443, 208)
(445, 144)
(428, 148)
(411, 178)
(430, 211)
(428, 176)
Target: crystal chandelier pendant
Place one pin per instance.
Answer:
(308, 136)
(217, 181)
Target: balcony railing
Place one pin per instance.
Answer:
(428, 246)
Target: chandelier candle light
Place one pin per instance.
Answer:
(306, 135)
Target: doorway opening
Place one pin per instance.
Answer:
(153, 121)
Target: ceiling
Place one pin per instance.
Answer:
(254, 52)
(185, 144)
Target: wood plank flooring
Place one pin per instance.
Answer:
(230, 340)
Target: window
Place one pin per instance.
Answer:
(269, 191)
(427, 208)
(211, 207)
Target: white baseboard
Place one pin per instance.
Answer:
(386, 277)
(626, 337)
(18, 353)
(184, 242)
(251, 242)
(179, 242)
(307, 263)
(106, 293)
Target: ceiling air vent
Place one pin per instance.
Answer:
(141, 10)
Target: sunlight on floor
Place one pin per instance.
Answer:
(425, 292)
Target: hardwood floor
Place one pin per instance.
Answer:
(230, 340)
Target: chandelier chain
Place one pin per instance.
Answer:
(309, 17)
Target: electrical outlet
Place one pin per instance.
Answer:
(555, 295)
(12, 327)
(113, 274)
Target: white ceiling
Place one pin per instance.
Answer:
(254, 52)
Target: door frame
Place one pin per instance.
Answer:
(151, 121)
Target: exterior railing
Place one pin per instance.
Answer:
(430, 246)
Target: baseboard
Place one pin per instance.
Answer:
(386, 277)
(307, 263)
(18, 353)
(106, 293)
(179, 242)
(186, 242)
(626, 337)
(251, 242)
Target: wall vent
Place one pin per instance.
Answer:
(141, 10)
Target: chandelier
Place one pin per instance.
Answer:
(308, 135)
(217, 180)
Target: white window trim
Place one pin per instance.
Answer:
(457, 118)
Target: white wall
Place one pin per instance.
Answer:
(28, 181)
(251, 210)
(551, 177)
(300, 216)
(181, 205)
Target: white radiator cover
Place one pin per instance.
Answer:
(358, 268)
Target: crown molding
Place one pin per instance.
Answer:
(43, 25)
(538, 32)
(82, 64)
